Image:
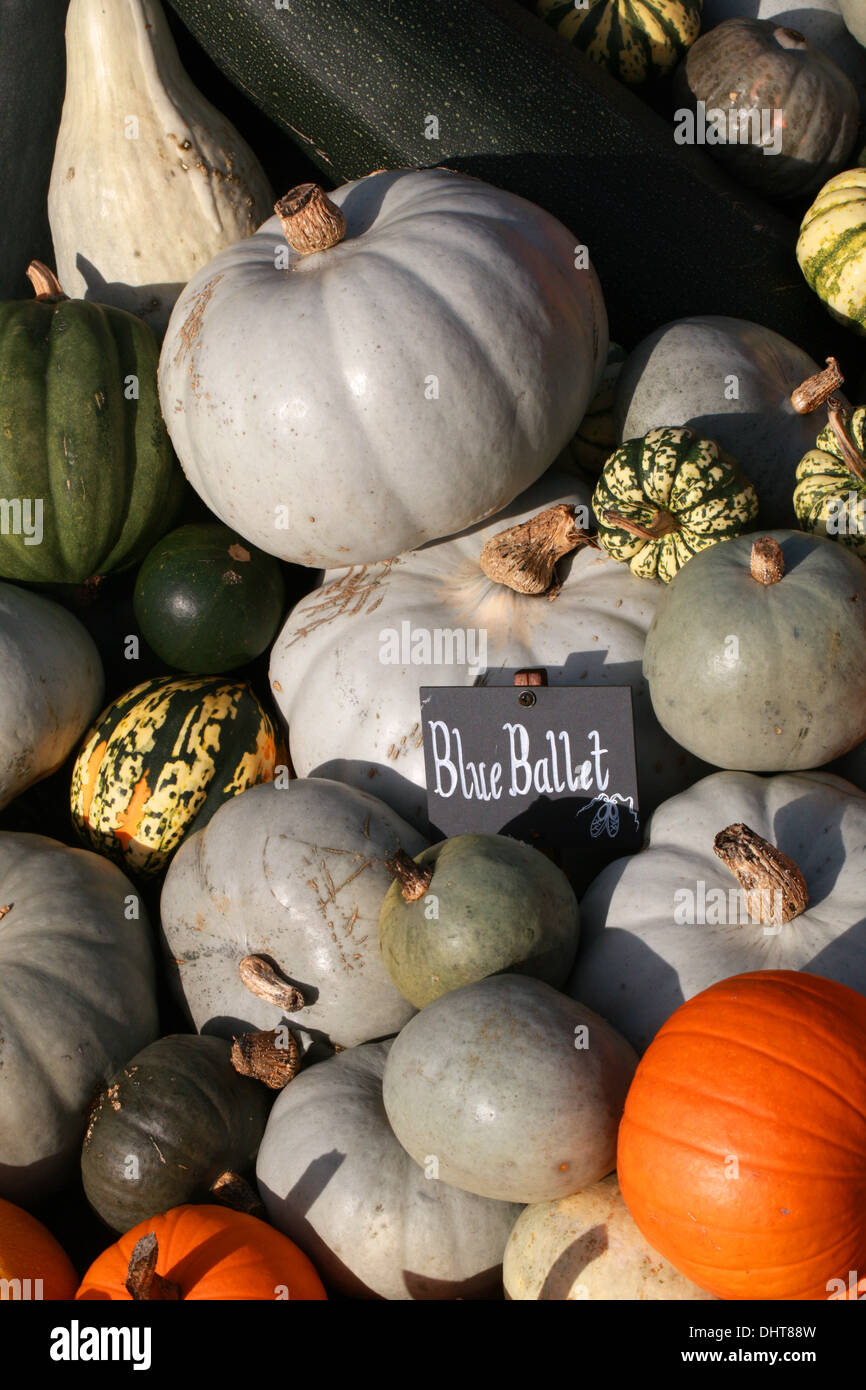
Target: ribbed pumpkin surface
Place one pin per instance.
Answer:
(831, 248)
(160, 761)
(682, 494)
(829, 498)
(742, 1149)
(81, 429)
(633, 39)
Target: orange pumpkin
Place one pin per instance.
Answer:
(203, 1252)
(742, 1148)
(32, 1264)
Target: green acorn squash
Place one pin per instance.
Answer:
(159, 762)
(663, 498)
(83, 447)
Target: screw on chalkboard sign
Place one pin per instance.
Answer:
(552, 765)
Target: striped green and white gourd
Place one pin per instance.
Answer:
(633, 39)
(161, 760)
(831, 248)
(662, 498)
(589, 449)
(830, 495)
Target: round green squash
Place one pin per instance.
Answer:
(83, 446)
(166, 1126)
(206, 601)
(161, 759)
(663, 498)
(830, 496)
(514, 1089)
(756, 658)
(831, 248)
(489, 903)
(633, 39)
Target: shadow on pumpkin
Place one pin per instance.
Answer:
(152, 303)
(567, 1267)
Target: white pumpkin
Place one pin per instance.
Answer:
(731, 381)
(661, 926)
(341, 406)
(822, 22)
(51, 686)
(854, 16)
(295, 874)
(348, 665)
(587, 1246)
(149, 181)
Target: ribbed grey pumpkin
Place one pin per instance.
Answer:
(756, 658)
(375, 1223)
(514, 1089)
(491, 904)
(76, 1000)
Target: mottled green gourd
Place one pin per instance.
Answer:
(830, 496)
(206, 601)
(663, 498)
(473, 906)
(81, 433)
(633, 39)
(167, 1125)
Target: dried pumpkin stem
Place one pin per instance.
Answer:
(45, 282)
(524, 557)
(4, 911)
(839, 419)
(662, 524)
(231, 1190)
(266, 983)
(413, 880)
(817, 389)
(143, 1284)
(271, 1056)
(775, 887)
(766, 562)
(310, 221)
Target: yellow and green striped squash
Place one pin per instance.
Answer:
(831, 248)
(589, 449)
(161, 760)
(633, 39)
(683, 492)
(829, 497)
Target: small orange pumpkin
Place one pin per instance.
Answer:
(202, 1252)
(32, 1264)
(742, 1148)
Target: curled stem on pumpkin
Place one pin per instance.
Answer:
(310, 221)
(817, 389)
(524, 557)
(231, 1190)
(45, 282)
(839, 417)
(766, 562)
(775, 887)
(662, 524)
(271, 1056)
(413, 880)
(262, 980)
(143, 1284)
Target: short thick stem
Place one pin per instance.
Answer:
(262, 980)
(231, 1190)
(413, 880)
(817, 389)
(766, 562)
(271, 1056)
(143, 1284)
(853, 457)
(45, 282)
(663, 524)
(310, 221)
(776, 890)
(524, 557)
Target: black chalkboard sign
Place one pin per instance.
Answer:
(553, 765)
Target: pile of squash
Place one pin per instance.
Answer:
(265, 1035)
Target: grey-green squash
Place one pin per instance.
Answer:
(756, 658)
(472, 906)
